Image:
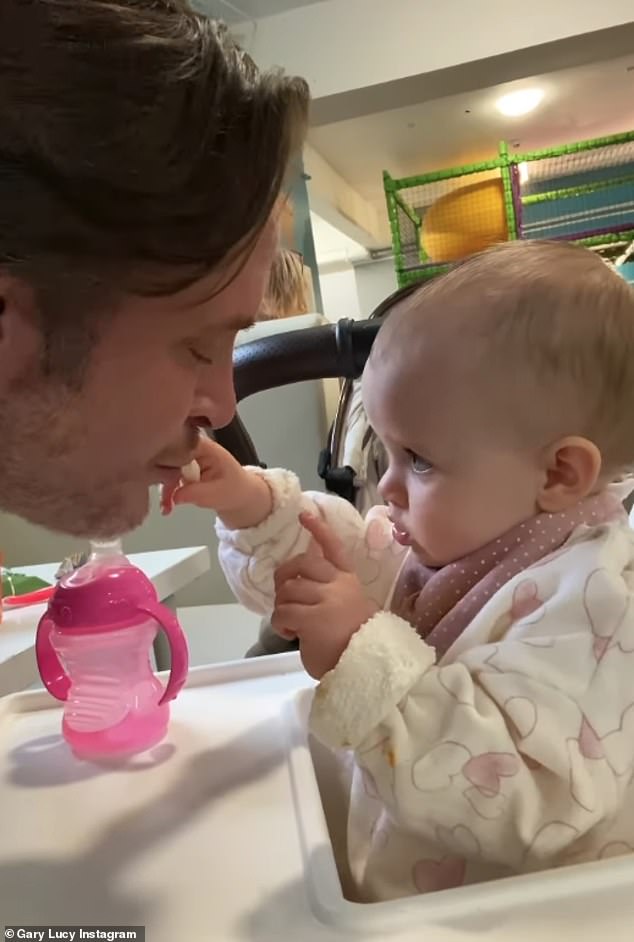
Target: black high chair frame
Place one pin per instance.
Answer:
(334, 351)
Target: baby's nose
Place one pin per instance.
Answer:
(391, 491)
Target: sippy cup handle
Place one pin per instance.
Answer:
(51, 671)
(178, 646)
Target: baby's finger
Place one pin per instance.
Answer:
(167, 498)
(196, 494)
(190, 473)
(314, 568)
(206, 448)
(314, 549)
(299, 591)
(283, 633)
(212, 459)
(293, 618)
(330, 544)
(206, 456)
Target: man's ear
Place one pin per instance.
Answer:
(20, 338)
(571, 470)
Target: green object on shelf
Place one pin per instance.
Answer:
(16, 583)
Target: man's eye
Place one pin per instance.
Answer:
(419, 465)
(199, 357)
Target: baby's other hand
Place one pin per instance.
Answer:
(319, 600)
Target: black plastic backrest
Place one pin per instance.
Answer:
(334, 350)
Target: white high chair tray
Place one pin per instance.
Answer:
(218, 834)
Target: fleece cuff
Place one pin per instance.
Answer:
(381, 664)
(287, 496)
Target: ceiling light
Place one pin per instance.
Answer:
(517, 103)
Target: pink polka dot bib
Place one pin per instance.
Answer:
(441, 603)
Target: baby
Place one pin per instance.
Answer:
(473, 639)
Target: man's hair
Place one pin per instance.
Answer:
(545, 321)
(287, 291)
(139, 146)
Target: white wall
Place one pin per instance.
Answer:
(339, 293)
(342, 220)
(354, 291)
(341, 45)
(375, 281)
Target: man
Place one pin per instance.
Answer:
(141, 158)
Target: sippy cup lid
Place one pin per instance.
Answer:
(105, 594)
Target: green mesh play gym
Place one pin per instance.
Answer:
(581, 193)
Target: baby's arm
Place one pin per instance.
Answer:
(239, 496)
(523, 746)
(259, 527)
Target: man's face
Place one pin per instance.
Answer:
(83, 461)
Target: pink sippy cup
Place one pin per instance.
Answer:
(93, 652)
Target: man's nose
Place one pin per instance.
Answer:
(215, 398)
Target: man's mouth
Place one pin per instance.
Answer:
(170, 475)
(174, 461)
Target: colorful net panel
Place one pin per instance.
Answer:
(580, 192)
(578, 195)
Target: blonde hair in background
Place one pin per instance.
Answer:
(289, 291)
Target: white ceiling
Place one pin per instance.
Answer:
(578, 103)
(581, 102)
(235, 11)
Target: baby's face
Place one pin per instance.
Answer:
(453, 484)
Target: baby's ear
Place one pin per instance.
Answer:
(572, 467)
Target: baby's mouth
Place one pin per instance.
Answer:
(402, 537)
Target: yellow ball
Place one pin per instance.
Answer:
(465, 221)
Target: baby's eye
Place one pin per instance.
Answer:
(419, 465)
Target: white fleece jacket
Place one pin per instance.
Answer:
(514, 752)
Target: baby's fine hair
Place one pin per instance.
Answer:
(555, 313)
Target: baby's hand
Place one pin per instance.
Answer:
(240, 497)
(319, 600)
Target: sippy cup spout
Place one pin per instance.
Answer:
(101, 550)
